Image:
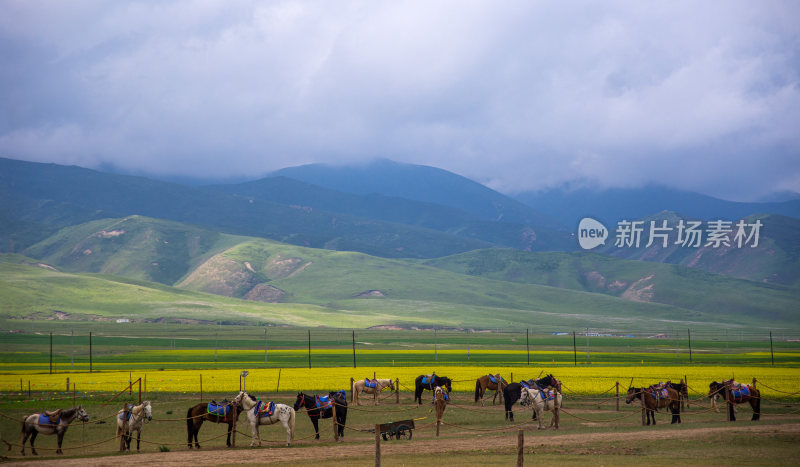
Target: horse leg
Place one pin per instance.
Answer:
(138, 439)
(315, 422)
(25, 435)
(34, 434)
(732, 412)
(676, 412)
(60, 437)
(230, 430)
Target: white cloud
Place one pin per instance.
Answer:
(521, 95)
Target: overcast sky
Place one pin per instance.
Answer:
(515, 94)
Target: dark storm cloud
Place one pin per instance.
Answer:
(520, 95)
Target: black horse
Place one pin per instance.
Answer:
(681, 388)
(431, 381)
(317, 408)
(513, 391)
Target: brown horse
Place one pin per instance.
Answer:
(656, 399)
(198, 413)
(738, 393)
(485, 382)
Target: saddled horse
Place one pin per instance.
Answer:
(132, 420)
(322, 407)
(440, 399)
(37, 423)
(682, 389)
(377, 386)
(429, 382)
(513, 392)
(655, 399)
(738, 393)
(201, 412)
(265, 413)
(485, 382)
(542, 400)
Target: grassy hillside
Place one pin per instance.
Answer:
(88, 194)
(631, 280)
(33, 291)
(776, 259)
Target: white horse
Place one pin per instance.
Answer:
(361, 386)
(125, 428)
(63, 417)
(541, 402)
(283, 413)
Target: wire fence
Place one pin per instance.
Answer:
(118, 346)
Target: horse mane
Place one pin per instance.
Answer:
(66, 413)
(252, 397)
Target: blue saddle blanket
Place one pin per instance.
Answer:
(428, 379)
(527, 383)
(219, 410)
(45, 420)
(324, 402)
(741, 393)
(370, 383)
(660, 394)
(263, 409)
(493, 379)
(125, 416)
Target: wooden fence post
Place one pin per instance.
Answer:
(377, 446)
(680, 396)
(201, 387)
(335, 423)
(67, 383)
(687, 389)
(279, 380)
(617, 396)
(644, 413)
(140, 391)
(235, 418)
(520, 448)
(728, 399)
(352, 390)
(397, 391)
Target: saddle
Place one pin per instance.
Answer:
(263, 409)
(659, 392)
(53, 413)
(45, 419)
(741, 393)
(324, 402)
(220, 410)
(428, 379)
(496, 379)
(370, 383)
(528, 383)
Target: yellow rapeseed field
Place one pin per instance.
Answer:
(588, 380)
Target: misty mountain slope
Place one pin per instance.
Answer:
(421, 183)
(292, 192)
(776, 259)
(108, 195)
(631, 280)
(613, 204)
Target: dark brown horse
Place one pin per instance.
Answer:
(198, 413)
(655, 399)
(738, 394)
(485, 382)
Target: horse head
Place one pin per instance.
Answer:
(715, 388)
(391, 384)
(82, 415)
(525, 397)
(300, 401)
(148, 411)
(633, 393)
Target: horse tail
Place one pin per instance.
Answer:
(478, 390)
(291, 423)
(189, 422)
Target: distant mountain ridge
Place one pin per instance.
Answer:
(421, 183)
(613, 204)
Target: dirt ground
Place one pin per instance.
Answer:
(467, 442)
